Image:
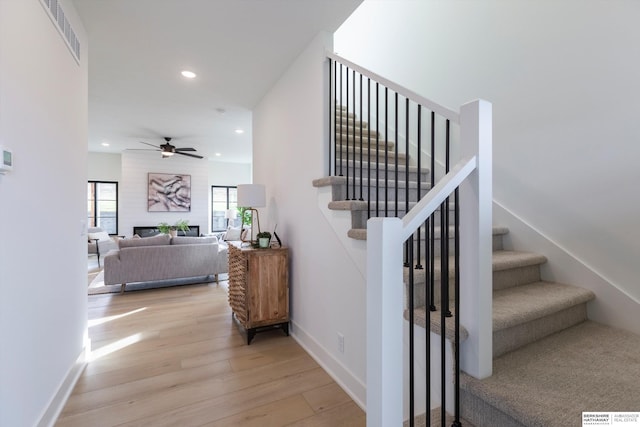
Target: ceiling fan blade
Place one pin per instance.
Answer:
(142, 142)
(186, 149)
(190, 155)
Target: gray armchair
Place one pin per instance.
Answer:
(99, 242)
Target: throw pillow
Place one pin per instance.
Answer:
(233, 233)
(192, 240)
(157, 240)
(100, 235)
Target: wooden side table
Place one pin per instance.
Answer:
(259, 288)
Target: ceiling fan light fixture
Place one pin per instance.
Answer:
(167, 154)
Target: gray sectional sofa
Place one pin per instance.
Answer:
(162, 257)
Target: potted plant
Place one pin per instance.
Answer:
(180, 225)
(264, 238)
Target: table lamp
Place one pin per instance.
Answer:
(251, 196)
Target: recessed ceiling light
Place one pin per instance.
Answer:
(218, 154)
(188, 74)
(239, 131)
(105, 144)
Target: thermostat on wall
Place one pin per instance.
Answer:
(6, 161)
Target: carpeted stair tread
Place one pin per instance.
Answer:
(549, 383)
(505, 260)
(357, 233)
(524, 303)
(420, 319)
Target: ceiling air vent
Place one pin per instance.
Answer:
(60, 21)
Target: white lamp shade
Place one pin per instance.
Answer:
(251, 196)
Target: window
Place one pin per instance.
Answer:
(223, 199)
(102, 205)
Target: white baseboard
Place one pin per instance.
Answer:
(612, 306)
(355, 388)
(58, 401)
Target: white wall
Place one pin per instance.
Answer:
(104, 166)
(327, 290)
(563, 80)
(222, 173)
(43, 243)
(132, 191)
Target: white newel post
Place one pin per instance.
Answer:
(476, 240)
(384, 322)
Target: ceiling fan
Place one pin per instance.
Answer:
(169, 150)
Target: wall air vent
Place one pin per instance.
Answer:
(60, 21)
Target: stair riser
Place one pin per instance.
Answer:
(480, 413)
(510, 339)
(369, 155)
(516, 276)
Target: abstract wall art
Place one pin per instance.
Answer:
(169, 192)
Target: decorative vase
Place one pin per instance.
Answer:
(263, 242)
(173, 233)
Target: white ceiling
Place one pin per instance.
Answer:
(237, 48)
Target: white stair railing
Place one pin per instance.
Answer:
(385, 239)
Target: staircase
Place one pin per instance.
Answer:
(550, 362)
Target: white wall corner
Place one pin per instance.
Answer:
(341, 374)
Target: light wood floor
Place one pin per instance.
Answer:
(175, 357)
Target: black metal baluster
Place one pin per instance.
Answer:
(445, 226)
(456, 346)
(361, 154)
(347, 133)
(386, 151)
(427, 313)
(341, 116)
(411, 341)
(330, 115)
(369, 148)
(432, 239)
(395, 173)
(418, 180)
(353, 136)
(377, 151)
(443, 355)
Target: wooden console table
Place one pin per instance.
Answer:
(259, 288)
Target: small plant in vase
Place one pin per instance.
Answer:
(180, 225)
(264, 238)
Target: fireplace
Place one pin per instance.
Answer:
(147, 231)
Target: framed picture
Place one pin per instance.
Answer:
(169, 192)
